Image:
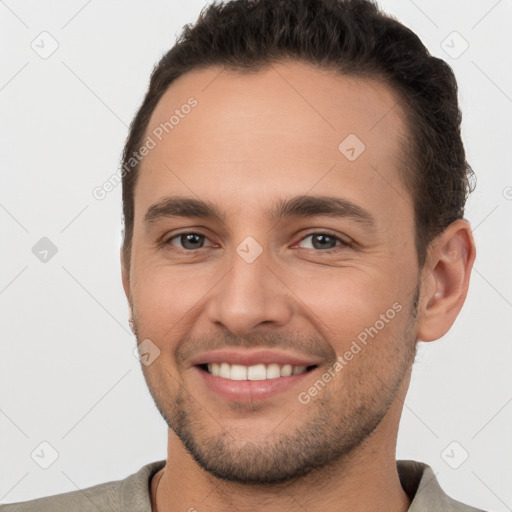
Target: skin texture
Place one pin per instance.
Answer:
(250, 141)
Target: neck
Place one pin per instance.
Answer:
(363, 488)
(362, 480)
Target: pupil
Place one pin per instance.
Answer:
(190, 239)
(323, 238)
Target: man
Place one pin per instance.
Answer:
(293, 191)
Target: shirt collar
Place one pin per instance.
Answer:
(417, 479)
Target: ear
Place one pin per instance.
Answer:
(125, 276)
(445, 280)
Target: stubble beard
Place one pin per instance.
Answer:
(333, 429)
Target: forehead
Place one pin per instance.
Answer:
(290, 127)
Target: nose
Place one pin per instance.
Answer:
(250, 295)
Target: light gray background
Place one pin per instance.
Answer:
(68, 375)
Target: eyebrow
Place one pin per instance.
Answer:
(298, 206)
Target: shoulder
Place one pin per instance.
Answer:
(132, 493)
(96, 498)
(421, 485)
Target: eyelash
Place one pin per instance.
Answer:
(343, 244)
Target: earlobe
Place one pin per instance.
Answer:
(445, 280)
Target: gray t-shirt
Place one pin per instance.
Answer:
(132, 494)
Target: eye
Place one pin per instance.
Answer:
(323, 242)
(188, 241)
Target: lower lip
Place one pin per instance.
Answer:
(250, 390)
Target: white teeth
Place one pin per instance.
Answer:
(238, 372)
(273, 371)
(255, 372)
(286, 370)
(258, 372)
(225, 371)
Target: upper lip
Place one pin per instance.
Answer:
(248, 357)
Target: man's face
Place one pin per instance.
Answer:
(272, 286)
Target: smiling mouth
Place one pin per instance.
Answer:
(240, 372)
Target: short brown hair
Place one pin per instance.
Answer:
(352, 37)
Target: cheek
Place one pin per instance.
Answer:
(349, 304)
(165, 298)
